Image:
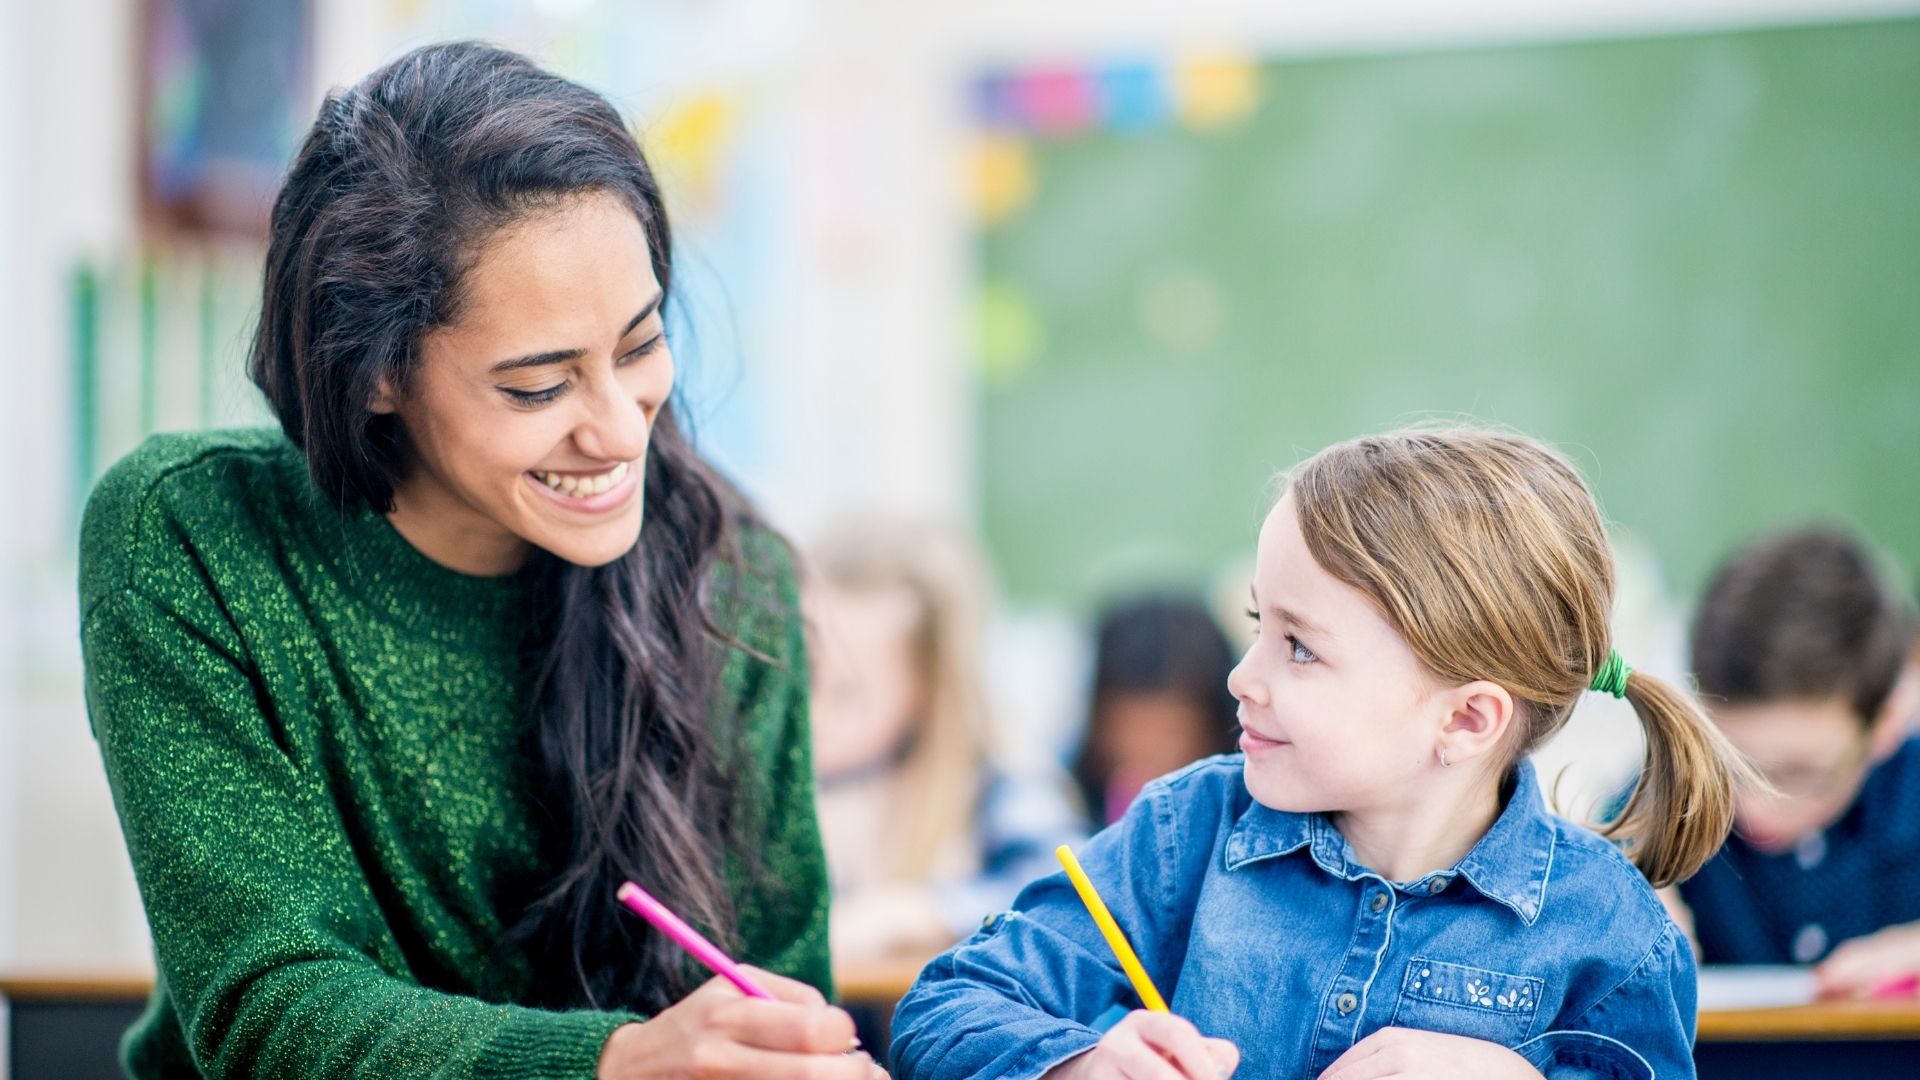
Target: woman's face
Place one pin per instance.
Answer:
(529, 417)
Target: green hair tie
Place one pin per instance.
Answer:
(1612, 676)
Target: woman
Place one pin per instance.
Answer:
(1159, 699)
(393, 699)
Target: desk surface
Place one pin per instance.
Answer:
(884, 980)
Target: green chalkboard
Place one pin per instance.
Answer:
(1693, 262)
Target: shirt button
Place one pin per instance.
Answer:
(1379, 901)
(1346, 1003)
(1811, 851)
(1810, 943)
(987, 923)
(1437, 886)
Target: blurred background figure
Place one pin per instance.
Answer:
(1804, 654)
(1159, 698)
(927, 825)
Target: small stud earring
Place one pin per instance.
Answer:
(1444, 763)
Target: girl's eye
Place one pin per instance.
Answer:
(535, 397)
(1301, 654)
(1254, 616)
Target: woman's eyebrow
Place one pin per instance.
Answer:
(561, 356)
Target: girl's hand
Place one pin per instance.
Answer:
(1408, 1052)
(1152, 1046)
(1874, 964)
(719, 1033)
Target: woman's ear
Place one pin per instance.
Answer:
(385, 401)
(1478, 716)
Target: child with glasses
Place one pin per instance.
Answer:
(1805, 656)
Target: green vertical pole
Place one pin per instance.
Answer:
(86, 360)
(208, 282)
(149, 348)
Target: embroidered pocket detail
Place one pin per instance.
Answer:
(1461, 1000)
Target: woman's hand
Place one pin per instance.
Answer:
(718, 1033)
(1409, 1052)
(1883, 963)
(1152, 1046)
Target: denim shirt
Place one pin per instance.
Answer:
(1261, 927)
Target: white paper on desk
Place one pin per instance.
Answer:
(1755, 986)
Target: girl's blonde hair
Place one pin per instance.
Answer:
(951, 742)
(1486, 552)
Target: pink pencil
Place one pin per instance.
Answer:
(1898, 986)
(644, 905)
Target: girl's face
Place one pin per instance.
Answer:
(869, 690)
(1142, 734)
(529, 418)
(1338, 713)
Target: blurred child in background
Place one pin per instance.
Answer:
(1804, 653)
(1159, 701)
(925, 829)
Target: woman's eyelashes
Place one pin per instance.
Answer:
(534, 398)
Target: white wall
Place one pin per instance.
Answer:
(879, 396)
(12, 163)
(64, 893)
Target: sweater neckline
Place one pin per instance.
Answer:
(384, 568)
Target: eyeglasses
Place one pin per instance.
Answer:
(1804, 780)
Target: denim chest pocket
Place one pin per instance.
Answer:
(1476, 1002)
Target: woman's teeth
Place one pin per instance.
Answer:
(581, 487)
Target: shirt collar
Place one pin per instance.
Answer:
(1508, 865)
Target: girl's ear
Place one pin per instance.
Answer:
(1479, 714)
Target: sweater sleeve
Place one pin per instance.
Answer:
(266, 930)
(784, 900)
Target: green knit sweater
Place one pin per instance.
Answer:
(312, 735)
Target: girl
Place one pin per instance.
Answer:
(1159, 699)
(1374, 887)
(926, 829)
(393, 698)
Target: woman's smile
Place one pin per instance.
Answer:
(587, 492)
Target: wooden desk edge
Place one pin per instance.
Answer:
(884, 981)
(76, 986)
(1824, 1020)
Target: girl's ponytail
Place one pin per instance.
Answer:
(1682, 806)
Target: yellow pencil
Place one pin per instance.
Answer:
(1115, 939)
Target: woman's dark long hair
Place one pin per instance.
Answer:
(401, 179)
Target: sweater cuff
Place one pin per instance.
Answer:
(537, 1045)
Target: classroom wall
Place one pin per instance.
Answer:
(65, 896)
(869, 395)
(10, 208)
